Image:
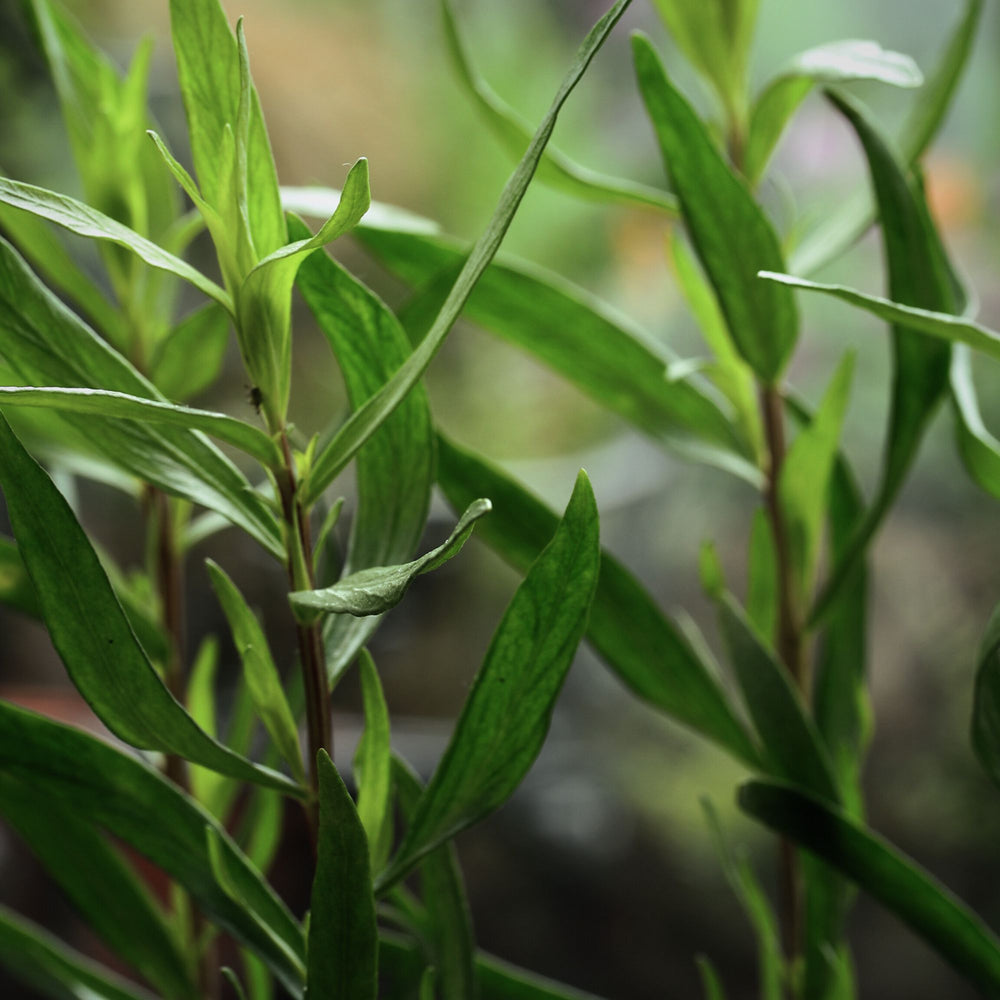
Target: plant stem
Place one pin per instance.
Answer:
(790, 649)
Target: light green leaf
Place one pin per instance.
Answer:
(793, 747)
(200, 701)
(373, 766)
(506, 716)
(729, 231)
(367, 418)
(762, 577)
(912, 894)
(90, 630)
(343, 939)
(120, 794)
(188, 360)
(805, 475)
(86, 221)
(835, 62)
(45, 964)
(514, 132)
(979, 449)
(261, 675)
(581, 338)
(395, 468)
(642, 647)
(122, 406)
(374, 591)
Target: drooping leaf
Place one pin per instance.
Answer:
(555, 168)
(373, 766)
(899, 884)
(792, 745)
(343, 939)
(644, 649)
(395, 468)
(137, 805)
(835, 62)
(618, 365)
(188, 360)
(367, 418)
(262, 678)
(506, 716)
(374, 591)
(90, 630)
(122, 406)
(728, 230)
(45, 964)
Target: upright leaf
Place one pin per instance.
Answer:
(373, 766)
(90, 630)
(343, 939)
(728, 229)
(506, 716)
(986, 704)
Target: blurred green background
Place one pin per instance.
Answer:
(600, 871)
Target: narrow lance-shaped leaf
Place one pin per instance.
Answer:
(506, 716)
(762, 577)
(373, 766)
(120, 405)
(90, 631)
(44, 963)
(835, 62)
(262, 678)
(979, 449)
(374, 591)
(189, 358)
(912, 894)
(343, 939)
(119, 793)
(555, 168)
(367, 418)
(728, 229)
(643, 648)
(711, 984)
(395, 469)
(986, 704)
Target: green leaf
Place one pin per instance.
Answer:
(261, 675)
(729, 231)
(200, 702)
(263, 302)
(793, 747)
(711, 985)
(208, 69)
(343, 939)
(45, 344)
(86, 221)
(449, 923)
(101, 886)
(912, 894)
(619, 366)
(45, 964)
(835, 62)
(122, 406)
(978, 448)
(90, 630)
(506, 716)
(644, 649)
(930, 107)
(514, 132)
(374, 591)
(138, 806)
(395, 468)
(373, 766)
(762, 577)
(188, 360)
(805, 475)
(16, 590)
(367, 418)
(986, 703)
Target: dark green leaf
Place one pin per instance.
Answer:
(343, 940)
(728, 230)
(373, 766)
(762, 577)
(188, 360)
(138, 806)
(644, 649)
(793, 747)
(986, 705)
(367, 418)
(45, 964)
(555, 168)
(395, 469)
(90, 630)
(374, 591)
(506, 716)
(912, 894)
(711, 985)
(16, 590)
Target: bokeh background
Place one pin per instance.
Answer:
(600, 871)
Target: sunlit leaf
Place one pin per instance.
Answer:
(373, 766)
